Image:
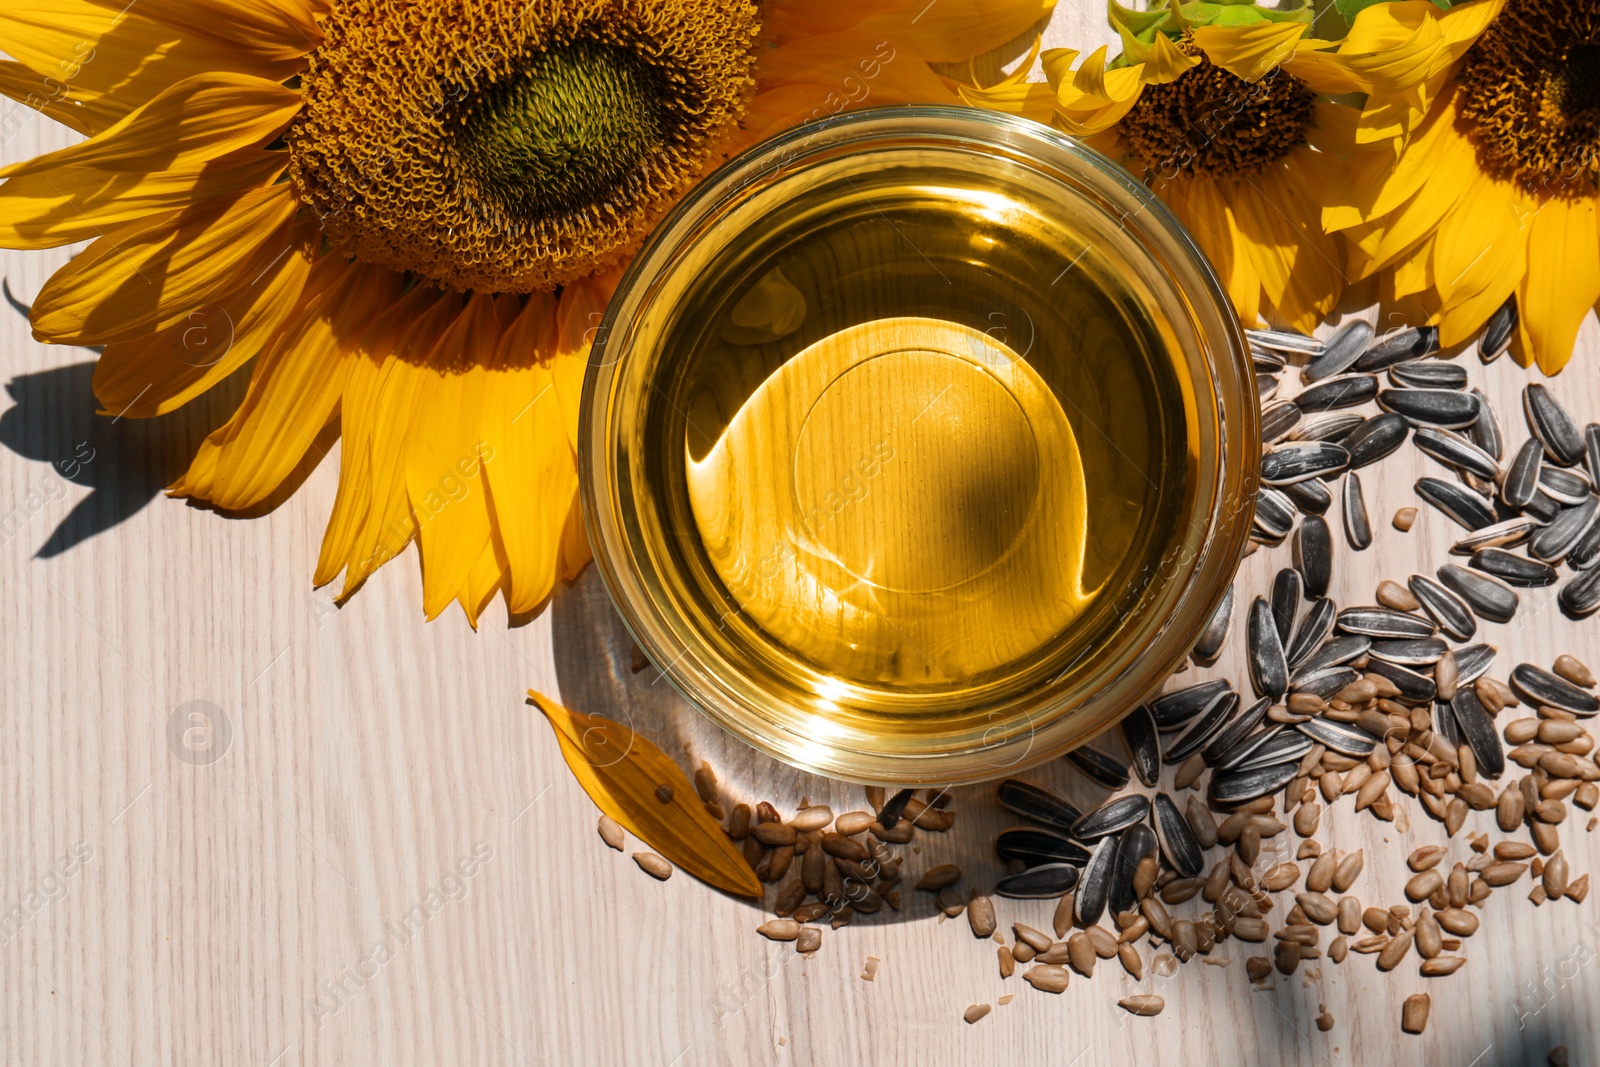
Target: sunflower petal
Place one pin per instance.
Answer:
(1555, 298)
(528, 459)
(443, 456)
(941, 31)
(134, 281)
(200, 118)
(153, 375)
(1249, 51)
(263, 30)
(294, 391)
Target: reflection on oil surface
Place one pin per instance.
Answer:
(903, 501)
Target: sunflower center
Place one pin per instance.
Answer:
(1209, 123)
(1531, 96)
(503, 146)
(576, 121)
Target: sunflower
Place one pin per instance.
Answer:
(405, 220)
(1485, 192)
(1206, 104)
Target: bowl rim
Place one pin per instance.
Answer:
(1236, 476)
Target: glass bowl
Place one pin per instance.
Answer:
(918, 445)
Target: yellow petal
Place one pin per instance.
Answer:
(160, 373)
(1165, 61)
(72, 204)
(1096, 99)
(388, 525)
(369, 360)
(47, 96)
(134, 281)
(201, 118)
(443, 455)
(263, 30)
(295, 389)
(1249, 51)
(624, 774)
(941, 31)
(528, 459)
(1563, 278)
(111, 58)
(1030, 100)
(583, 305)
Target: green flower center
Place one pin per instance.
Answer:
(573, 124)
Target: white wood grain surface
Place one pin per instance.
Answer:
(231, 911)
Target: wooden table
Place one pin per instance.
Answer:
(236, 864)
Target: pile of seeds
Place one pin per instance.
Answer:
(1370, 704)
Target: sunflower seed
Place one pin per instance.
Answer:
(1299, 460)
(1340, 351)
(1522, 477)
(1325, 683)
(1498, 330)
(1205, 727)
(1488, 596)
(1216, 632)
(1094, 888)
(1144, 751)
(1448, 610)
(1133, 845)
(1477, 729)
(1235, 730)
(1112, 816)
(1581, 596)
(1286, 589)
(1551, 424)
(1511, 532)
(653, 865)
(1384, 622)
(1177, 839)
(1414, 687)
(1108, 770)
(1565, 485)
(1313, 555)
(1275, 513)
(1472, 661)
(1486, 430)
(1237, 787)
(1334, 426)
(1040, 883)
(1414, 1012)
(1310, 496)
(1285, 746)
(1457, 501)
(1236, 755)
(1269, 671)
(1542, 507)
(1399, 347)
(1283, 341)
(1172, 710)
(1266, 387)
(1266, 361)
(1312, 631)
(1456, 451)
(1591, 451)
(1551, 690)
(1037, 803)
(1035, 847)
(1343, 391)
(1431, 374)
(1431, 407)
(1586, 550)
(1512, 568)
(1333, 652)
(1339, 737)
(1357, 526)
(1375, 438)
(1278, 419)
(1552, 543)
(1412, 651)
(1444, 723)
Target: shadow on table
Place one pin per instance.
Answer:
(124, 463)
(593, 655)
